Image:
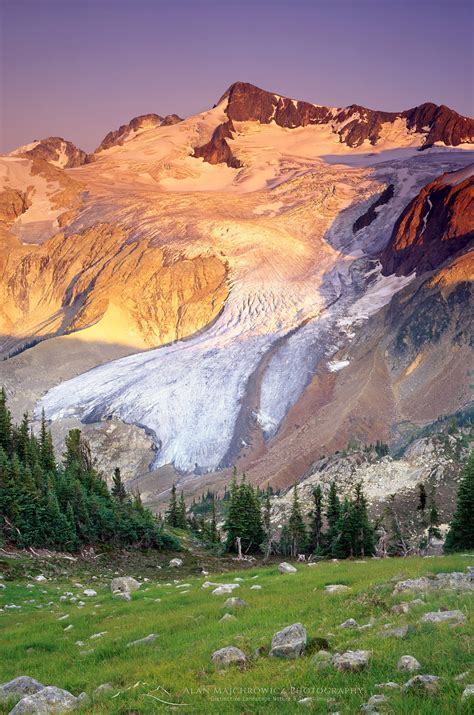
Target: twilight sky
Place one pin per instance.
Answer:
(78, 68)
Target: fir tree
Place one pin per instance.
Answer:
(421, 498)
(316, 522)
(171, 515)
(461, 532)
(118, 490)
(362, 532)
(181, 522)
(434, 521)
(296, 526)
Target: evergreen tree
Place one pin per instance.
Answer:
(171, 515)
(181, 522)
(118, 490)
(461, 533)
(296, 526)
(421, 498)
(362, 532)
(243, 517)
(5, 424)
(316, 522)
(434, 521)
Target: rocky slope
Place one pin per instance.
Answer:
(54, 150)
(436, 224)
(352, 125)
(251, 266)
(138, 124)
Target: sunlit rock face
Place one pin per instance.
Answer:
(239, 266)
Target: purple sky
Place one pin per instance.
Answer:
(78, 68)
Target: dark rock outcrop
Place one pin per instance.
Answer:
(217, 150)
(371, 213)
(144, 121)
(58, 151)
(354, 124)
(436, 224)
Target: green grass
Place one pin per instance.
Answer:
(33, 642)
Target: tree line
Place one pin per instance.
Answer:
(336, 527)
(65, 505)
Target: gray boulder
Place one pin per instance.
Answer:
(285, 567)
(422, 683)
(228, 656)
(45, 702)
(337, 588)
(444, 617)
(290, 642)
(18, 687)
(235, 602)
(322, 660)
(352, 660)
(468, 692)
(176, 563)
(408, 663)
(143, 641)
(124, 584)
(373, 703)
(350, 623)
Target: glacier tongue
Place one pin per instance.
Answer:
(294, 298)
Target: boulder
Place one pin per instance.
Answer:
(400, 632)
(337, 588)
(408, 663)
(228, 656)
(143, 641)
(90, 592)
(18, 687)
(256, 587)
(235, 602)
(123, 595)
(322, 660)
(224, 588)
(124, 584)
(373, 703)
(176, 563)
(285, 567)
(468, 692)
(103, 688)
(352, 660)
(290, 642)
(422, 683)
(350, 623)
(455, 581)
(444, 617)
(46, 701)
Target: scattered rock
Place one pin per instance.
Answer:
(225, 588)
(426, 683)
(83, 699)
(143, 641)
(176, 563)
(235, 602)
(23, 685)
(40, 578)
(90, 592)
(371, 706)
(308, 702)
(389, 686)
(228, 656)
(352, 660)
(400, 632)
(468, 692)
(256, 587)
(350, 623)
(124, 584)
(443, 617)
(462, 676)
(336, 588)
(104, 688)
(48, 700)
(289, 642)
(123, 595)
(456, 581)
(285, 567)
(228, 617)
(408, 663)
(94, 636)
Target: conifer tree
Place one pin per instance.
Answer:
(434, 521)
(461, 532)
(316, 522)
(362, 532)
(171, 515)
(421, 498)
(181, 522)
(118, 490)
(296, 526)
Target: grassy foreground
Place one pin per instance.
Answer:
(177, 668)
